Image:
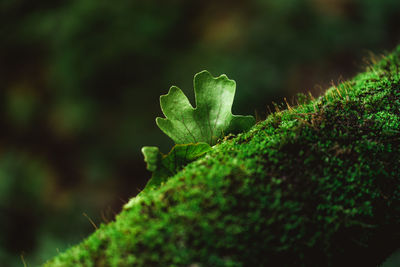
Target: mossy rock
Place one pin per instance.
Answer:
(314, 185)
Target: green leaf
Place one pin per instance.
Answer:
(152, 157)
(212, 117)
(164, 166)
(194, 129)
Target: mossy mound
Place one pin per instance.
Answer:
(314, 185)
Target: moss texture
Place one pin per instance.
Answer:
(314, 185)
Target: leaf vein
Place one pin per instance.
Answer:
(184, 124)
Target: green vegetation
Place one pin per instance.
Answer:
(313, 185)
(79, 83)
(210, 119)
(194, 129)
(164, 166)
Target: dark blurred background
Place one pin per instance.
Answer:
(80, 82)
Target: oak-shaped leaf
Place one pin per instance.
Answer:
(212, 117)
(164, 166)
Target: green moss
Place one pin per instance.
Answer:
(315, 185)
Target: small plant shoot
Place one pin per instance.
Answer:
(194, 129)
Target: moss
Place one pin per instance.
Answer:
(314, 185)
